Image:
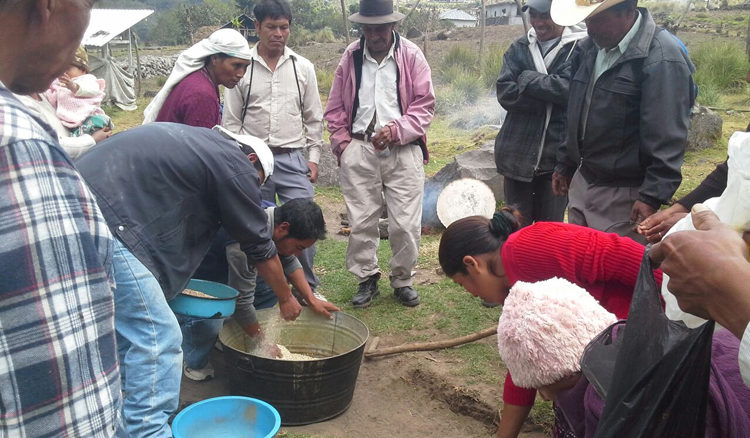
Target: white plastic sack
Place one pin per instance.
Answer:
(732, 207)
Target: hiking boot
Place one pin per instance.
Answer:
(368, 290)
(407, 296)
(198, 375)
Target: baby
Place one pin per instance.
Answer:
(77, 96)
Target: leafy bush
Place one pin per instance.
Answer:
(469, 85)
(325, 35)
(709, 95)
(720, 67)
(447, 99)
(325, 81)
(460, 56)
(299, 36)
(492, 65)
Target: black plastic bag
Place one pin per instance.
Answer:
(654, 376)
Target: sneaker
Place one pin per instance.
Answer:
(407, 296)
(368, 290)
(199, 375)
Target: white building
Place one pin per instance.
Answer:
(458, 18)
(504, 12)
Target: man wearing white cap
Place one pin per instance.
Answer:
(628, 116)
(191, 93)
(533, 88)
(165, 189)
(378, 112)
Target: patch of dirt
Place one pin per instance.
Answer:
(413, 395)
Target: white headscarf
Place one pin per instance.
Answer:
(227, 41)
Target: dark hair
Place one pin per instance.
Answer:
(272, 9)
(474, 235)
(305, 219)
(220, 56)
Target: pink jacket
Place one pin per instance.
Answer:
(416, 97)
(74, 108)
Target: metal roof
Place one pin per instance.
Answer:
(106, 24)
(455, 14)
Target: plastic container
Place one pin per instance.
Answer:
(227, 417)
(220, 307)
(303, 391)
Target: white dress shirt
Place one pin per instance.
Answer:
(377, 91)
(273, 108)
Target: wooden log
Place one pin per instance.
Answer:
(432, 345)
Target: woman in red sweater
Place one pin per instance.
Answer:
(488, 256)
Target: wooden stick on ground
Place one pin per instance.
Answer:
(433, 345)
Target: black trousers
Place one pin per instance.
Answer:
(535, 199)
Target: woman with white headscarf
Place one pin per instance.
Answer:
(191, 93)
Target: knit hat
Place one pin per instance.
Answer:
(544, 329)
(81, 59)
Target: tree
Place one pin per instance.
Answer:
(246, 6)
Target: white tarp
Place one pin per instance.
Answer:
(106, 24)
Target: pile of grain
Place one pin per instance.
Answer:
(288, 355)
(198, 294)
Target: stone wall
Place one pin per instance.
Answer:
(152, 65)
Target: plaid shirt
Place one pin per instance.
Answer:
(58, 359)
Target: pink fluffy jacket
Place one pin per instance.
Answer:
(544, 329)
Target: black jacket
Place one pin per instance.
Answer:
(525, 93)
(638, 120)
(166, 188)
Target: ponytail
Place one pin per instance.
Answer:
(475, 235)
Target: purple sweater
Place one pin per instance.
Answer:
(194, 101)
(727, 416)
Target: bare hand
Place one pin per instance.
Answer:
(323, 308)
(708, 268)
(658, 224)
(290, 308)
(68, 83)
(560, 184)
(382, 139)
(639, 212)
(312, 175)
(102, 134)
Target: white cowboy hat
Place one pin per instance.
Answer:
(570, 12)
(259, 146)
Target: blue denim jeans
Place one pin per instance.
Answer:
(199, 335)
(148, 342)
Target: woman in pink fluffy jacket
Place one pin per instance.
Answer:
(542, 334)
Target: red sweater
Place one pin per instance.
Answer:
(604, 264)
(194, 101)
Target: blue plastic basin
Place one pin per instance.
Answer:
(220, 307)
(227, 417)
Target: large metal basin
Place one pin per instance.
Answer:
(306, 391)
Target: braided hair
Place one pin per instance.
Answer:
(475, 235)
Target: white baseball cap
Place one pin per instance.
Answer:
(259, 146)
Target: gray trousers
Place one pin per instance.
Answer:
(289, 181)
(535, 200)
(366, 179)
(603, 208)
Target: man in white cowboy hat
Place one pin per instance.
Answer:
(380, 106)
(628, 116)
(165, 189)
(533, 88)
(278, 101)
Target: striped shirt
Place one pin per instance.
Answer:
(58, 365)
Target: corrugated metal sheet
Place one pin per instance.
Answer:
(455, 14)
(106, 24)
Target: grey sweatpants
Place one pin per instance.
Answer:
(366, 179)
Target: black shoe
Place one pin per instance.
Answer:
(407, 296)
(368, 290)
(489, 304)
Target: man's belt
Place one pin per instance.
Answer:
(278, 151)
(362, 137)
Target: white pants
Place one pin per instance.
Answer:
(366, 179)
